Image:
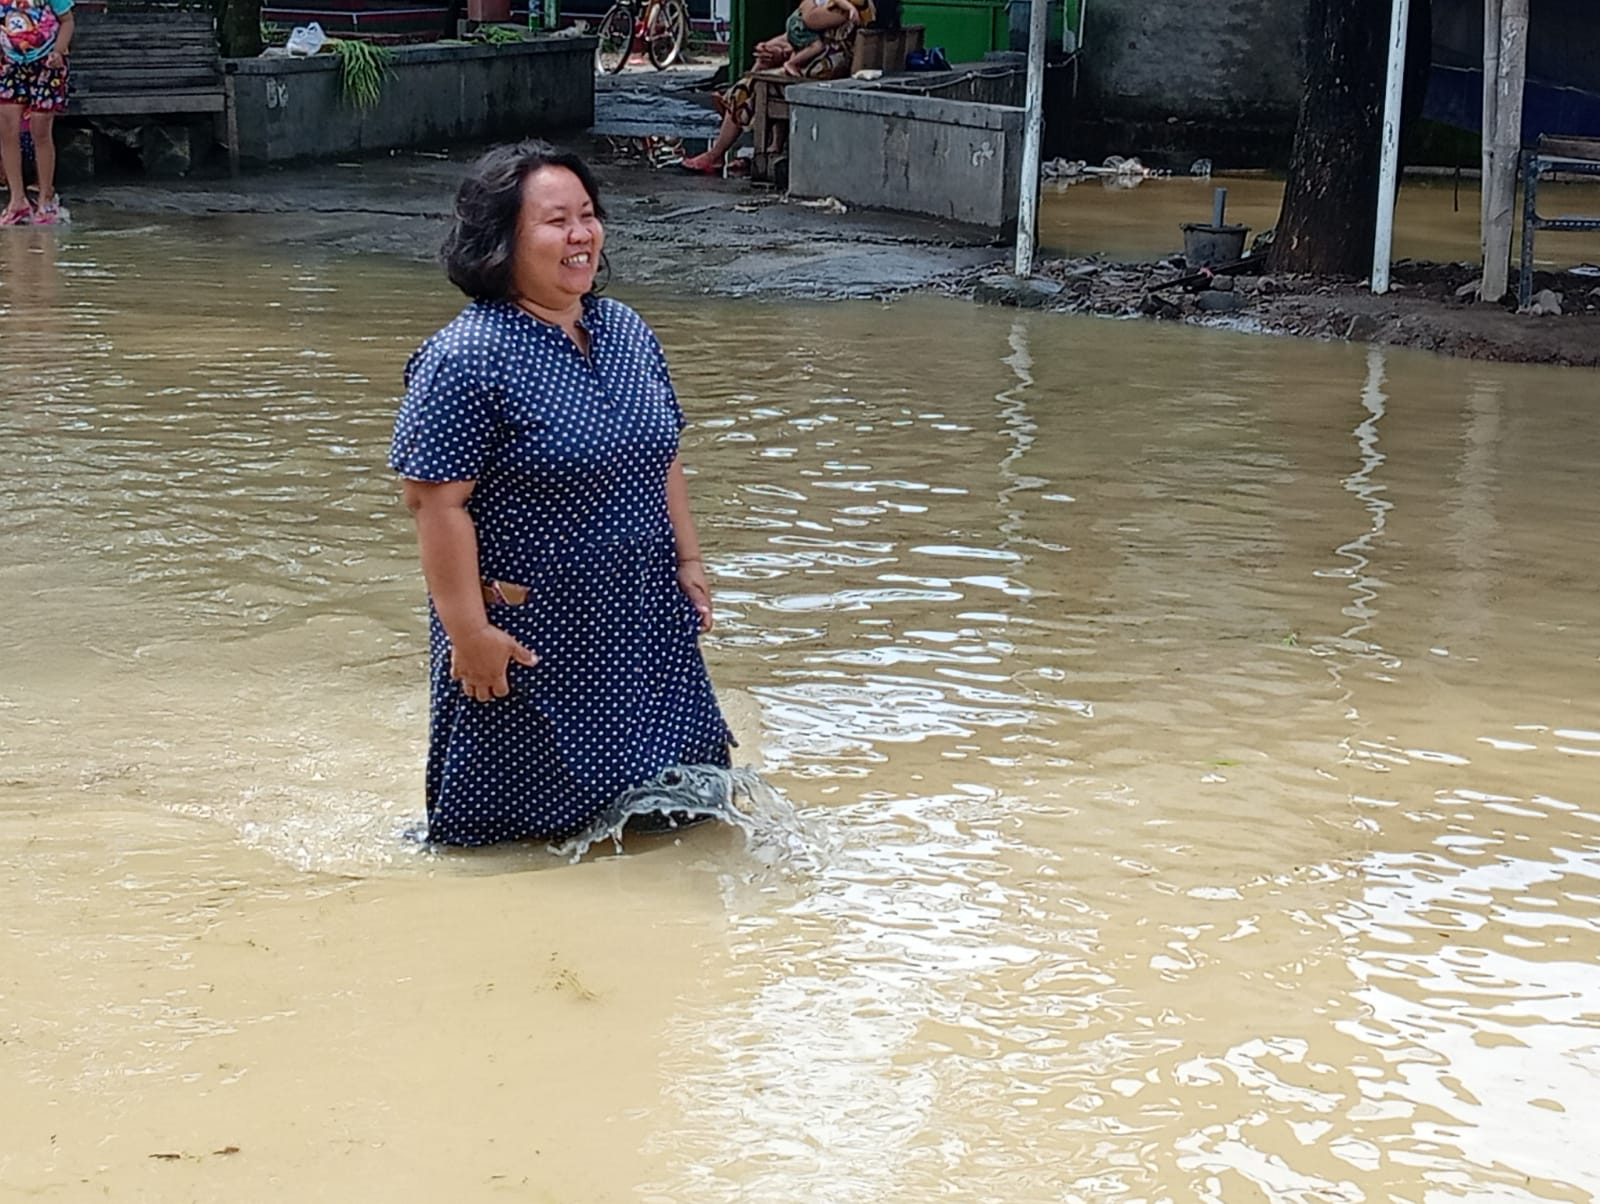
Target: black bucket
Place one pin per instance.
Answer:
(1208, 246)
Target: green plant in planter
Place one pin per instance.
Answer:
(499, 35)
(363, 67)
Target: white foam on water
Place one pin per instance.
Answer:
(740, 797)
(359, 833)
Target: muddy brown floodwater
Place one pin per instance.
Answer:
(1435, 219)
(1193, 739)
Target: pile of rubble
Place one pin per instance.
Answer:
(1430, 305)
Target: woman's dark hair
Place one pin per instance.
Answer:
(479, 250)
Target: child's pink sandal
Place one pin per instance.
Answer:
(48, 215)
(16, 217)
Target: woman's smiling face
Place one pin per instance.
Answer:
(559, 238)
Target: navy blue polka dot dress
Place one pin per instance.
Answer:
(570, 455)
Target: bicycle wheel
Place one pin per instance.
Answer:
(615, 39)
(665, 31)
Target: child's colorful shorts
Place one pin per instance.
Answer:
(37, 87)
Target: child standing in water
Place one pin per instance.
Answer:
(35, 38)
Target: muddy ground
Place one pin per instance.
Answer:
(730, 238)
(1430, 306)
(664, 227)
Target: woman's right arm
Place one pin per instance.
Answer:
(449, 546)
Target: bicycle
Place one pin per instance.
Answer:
(663, 27)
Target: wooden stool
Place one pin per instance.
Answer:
(771, 115)
(875, 50)
(885, 49)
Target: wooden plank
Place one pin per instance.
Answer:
(128, 54)
(116, 87)
(122, 62)
(108, 106)
(98, 46)
(82, 70)
(132, 46)
(143, 21)
(133, 33)
(98, 38)
(148, 63)
(157, 80)
(186, 90)
(94, 68)
(129, 33)
(166, 74)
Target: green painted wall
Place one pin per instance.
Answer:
(966, 29)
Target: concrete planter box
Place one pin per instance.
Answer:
(293, 108)
(878, 148)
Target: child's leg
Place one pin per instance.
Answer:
(11, 156)
(796, 63)
(42, 126)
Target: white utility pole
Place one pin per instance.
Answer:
(1032, 137)
(1500, 208)
(1389, 161)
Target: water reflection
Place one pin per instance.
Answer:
(28, 281)
(1436, 219)
(1190, 732)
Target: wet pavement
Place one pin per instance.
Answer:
(642, 102)
(665, 227)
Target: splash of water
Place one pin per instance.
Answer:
(740, 797)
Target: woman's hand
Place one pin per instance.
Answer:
(479, 662)
(692, 581)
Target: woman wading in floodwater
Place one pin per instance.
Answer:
(538, 440)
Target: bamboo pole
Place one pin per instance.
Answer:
(1501, 214)
(1389, 153)
(1491, 92)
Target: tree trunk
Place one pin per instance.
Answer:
(239, 28)
(1500, 188)
(1329, 211)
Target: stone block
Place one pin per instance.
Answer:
(1545, 303)
(167, 150)
(74, 153)
(436, 95)
(1154, 305)
(1219, 303)
(1016, 292)
(959, 161)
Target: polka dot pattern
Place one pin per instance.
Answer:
(570, 455)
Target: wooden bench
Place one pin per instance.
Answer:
(875, 50)
(139, 64)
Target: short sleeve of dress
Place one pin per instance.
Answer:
(663, 375)
(447, 423)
